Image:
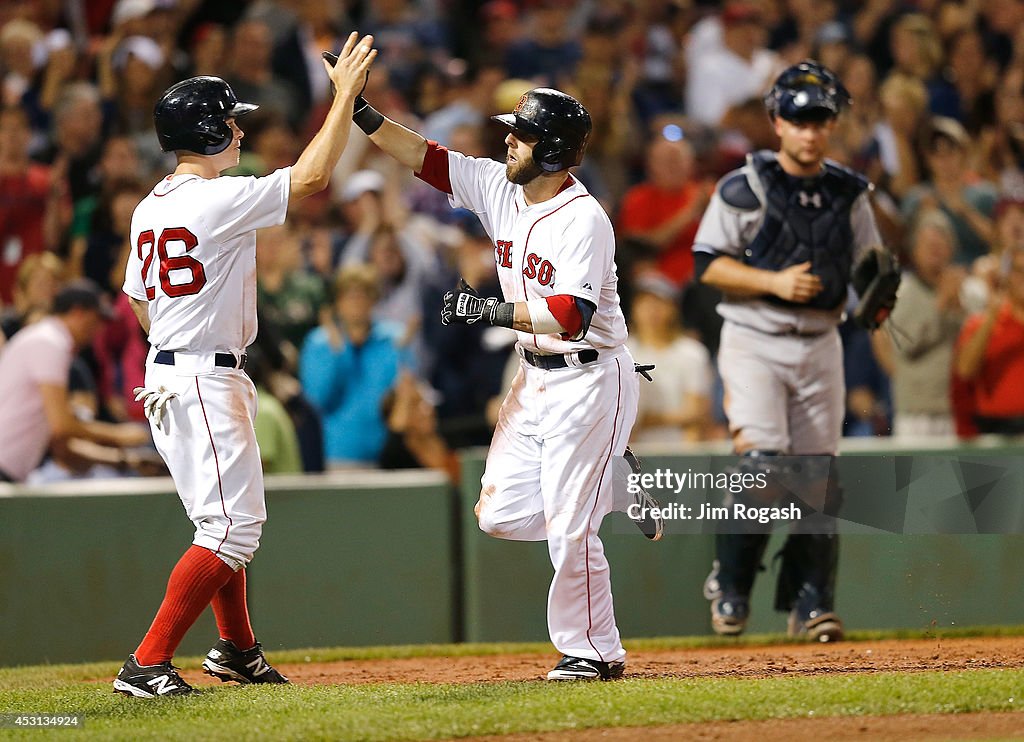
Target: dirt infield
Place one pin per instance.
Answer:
(732, 662)
(740, 661)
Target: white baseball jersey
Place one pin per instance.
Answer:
(565, 245)
(194, 257)
(548, 473)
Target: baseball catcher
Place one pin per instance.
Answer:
(780, 239)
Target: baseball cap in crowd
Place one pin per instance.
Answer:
(737, 13)
(497, 10)
(944, 127)
(84, 294)
(128, 10)
(1008, 201)
(469, 223)
(360, 182)
(142, 47)
(833, 32)
(657, 285)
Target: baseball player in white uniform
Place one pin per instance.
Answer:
(780, 238)
(192, 283)
(574, 400)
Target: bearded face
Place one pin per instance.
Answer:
(520, 167)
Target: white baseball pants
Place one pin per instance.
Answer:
(549, 477)
(209, 444)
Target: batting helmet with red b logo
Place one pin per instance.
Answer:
(559, 123)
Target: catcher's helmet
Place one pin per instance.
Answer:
(807, 91)
(192, 115)
(559, 123)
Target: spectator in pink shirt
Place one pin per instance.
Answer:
(35, 414)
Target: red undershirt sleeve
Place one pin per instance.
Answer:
(563, 308)
(435, 167)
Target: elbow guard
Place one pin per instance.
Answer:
(568, 316)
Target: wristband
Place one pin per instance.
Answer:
(503, 314)
(365, 116)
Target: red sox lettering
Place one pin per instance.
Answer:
(535, 267)
(503, 253)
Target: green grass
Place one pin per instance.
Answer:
(413, 712)
(432, 711)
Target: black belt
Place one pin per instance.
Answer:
(5, 477)
(549, 362)
(225, 360)
(794, 333)
(791, 332)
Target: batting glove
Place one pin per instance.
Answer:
(465, 305)
(154, 402)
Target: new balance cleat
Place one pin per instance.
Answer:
(150, 681)
(644, 506)
(579, 668)
(228, 662)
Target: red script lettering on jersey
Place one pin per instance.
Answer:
(537, 267)
(503, 253)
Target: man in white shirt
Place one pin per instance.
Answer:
(740, 69)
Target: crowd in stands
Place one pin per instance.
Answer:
(352, 365)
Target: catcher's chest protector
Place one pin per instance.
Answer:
(805, 219)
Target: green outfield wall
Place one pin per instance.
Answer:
(885, 580)
(397, 558)
(344, 560)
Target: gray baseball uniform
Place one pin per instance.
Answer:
(781, 363)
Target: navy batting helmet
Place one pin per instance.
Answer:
(559, 123)
(192, 115)
(808, 91)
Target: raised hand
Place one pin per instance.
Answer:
(348, 69)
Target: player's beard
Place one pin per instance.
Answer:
(522, 172)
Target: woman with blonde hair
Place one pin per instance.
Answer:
(38, 280)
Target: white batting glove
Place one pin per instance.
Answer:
(154, 402)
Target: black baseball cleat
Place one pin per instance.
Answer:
(817, 625)
(729, 614)
(580, 668)
(150, 681)
(228, 662)
(647, 509)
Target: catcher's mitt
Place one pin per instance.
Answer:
(876, 278)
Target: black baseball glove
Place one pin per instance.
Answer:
(876, 278)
